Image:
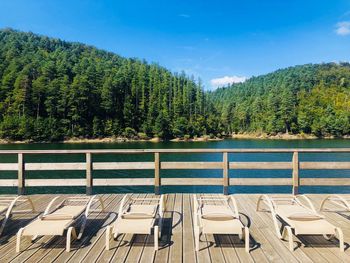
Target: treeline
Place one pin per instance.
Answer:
(52, 90)
(310, 99)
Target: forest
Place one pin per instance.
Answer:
(53, 90)
(310, 99)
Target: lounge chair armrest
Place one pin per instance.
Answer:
(93, 200)
(235, 207)
(267, 201)
(308, 201)
(48, 209)
(121, 206)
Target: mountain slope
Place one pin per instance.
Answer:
(52, 89)
(313, 98)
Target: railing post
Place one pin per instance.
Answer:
(296, 181)
(89, 179)
(21, 174)
(156, 174)
(225, 171)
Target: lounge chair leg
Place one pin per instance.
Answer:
(246, 239)
(18, 243)
(156, 233)
(284, 233)
(71, 232)
(82, 228)
(3, 224)
(160, 224)
(290, 237)
(340, 238)
(196, 237)
(108, 236)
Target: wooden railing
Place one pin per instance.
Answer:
(157, 165)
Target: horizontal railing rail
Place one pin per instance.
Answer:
(295, 165)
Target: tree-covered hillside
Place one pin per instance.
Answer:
(52, 89)
(311, 99)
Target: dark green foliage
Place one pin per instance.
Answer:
(52, 90)
(312, 99)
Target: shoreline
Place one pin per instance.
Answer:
(283, 136)
(248, 136)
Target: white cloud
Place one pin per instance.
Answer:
(219, 82)
(343, 28)
(184, 15)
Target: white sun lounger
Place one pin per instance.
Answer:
(138, 216)
(341, 201)
(56, 220)
(218, 215)
(298, 218)
(8, 203)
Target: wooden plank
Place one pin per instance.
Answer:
(325, 181)
(55, 182)
(123, 181)
(8, 166)
(21, 175)
(261, 165)
(225, 172)
(203, 254)
(9, 182)
(156, 173)
(54, 166)
(260, 181)
(123, 166)
(148, 253)
(89, 179)
(198, 150)
(192, 181)
(176, 251)
(295, 173)
(189, 252)
(162, 255)
(190, 165)
(325, 165)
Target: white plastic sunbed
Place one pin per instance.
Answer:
(56, 220)
(298, 218)
(138, 216)
(218, 215)
(8, 203)
(341, 201)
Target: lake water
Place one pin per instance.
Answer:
(201, 174)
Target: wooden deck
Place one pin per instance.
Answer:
(177, 241)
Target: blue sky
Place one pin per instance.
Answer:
(218, 41)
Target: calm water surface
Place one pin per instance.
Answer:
(201, 174)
